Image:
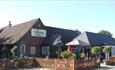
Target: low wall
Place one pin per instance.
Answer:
(67, 64)
(12, 64)
(57, 64)
(111, 61)
(88, 64)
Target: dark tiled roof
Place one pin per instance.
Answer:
(95, 39)
(67, 35)
(10, 35)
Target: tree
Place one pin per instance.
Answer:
(13, 51)
(105, 32)
(95, 50)
(77, 31)
(107, 50)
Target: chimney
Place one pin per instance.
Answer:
(9, 24)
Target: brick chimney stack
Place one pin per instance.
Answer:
(10, 24)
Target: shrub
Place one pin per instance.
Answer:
(73, 55)
(65, 54)
(107, 49)
(19, 63)
(68, 54)
(82, 55)
(95, 50)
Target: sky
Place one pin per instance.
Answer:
(84, 15)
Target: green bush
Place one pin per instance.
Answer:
(95, 50)
(19, 63)
(107, 49)
(24, 63)
(67, 54)
(73, 55)
(82, 55)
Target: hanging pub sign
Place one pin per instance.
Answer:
(38, 32)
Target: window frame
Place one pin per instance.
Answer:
(24, 50)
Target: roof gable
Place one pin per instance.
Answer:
(11, 35)
(83, 39)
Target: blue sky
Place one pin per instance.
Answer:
(84, 15)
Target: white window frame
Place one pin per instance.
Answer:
(24, 50)
(33, 50)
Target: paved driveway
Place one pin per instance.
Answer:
(103, 67)
(106, 67)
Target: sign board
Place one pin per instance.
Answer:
(38, 32)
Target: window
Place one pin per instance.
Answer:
(45, 51)
(33, 50)
(22, 50)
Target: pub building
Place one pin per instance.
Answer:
(32, 39)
